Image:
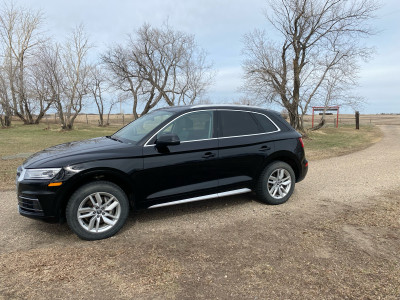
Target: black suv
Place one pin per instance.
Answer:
(171, 155)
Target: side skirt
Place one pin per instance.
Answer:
(211, 196)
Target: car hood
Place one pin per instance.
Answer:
(81, 151)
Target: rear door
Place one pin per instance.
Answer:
(244, 144)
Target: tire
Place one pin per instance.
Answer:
(97, 210)
(276, 183)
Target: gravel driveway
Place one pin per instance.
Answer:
(337, 237)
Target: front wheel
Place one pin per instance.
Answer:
(276, 183)
(97, 210)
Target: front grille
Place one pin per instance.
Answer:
(30, 205)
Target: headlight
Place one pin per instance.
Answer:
(41, 173)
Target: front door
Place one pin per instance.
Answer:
(185, 170)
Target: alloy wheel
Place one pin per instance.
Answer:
(279, 183)
(98, 212)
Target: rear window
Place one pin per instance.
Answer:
(234, 123)
(237, 123)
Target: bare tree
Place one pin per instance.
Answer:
(76, 77)
(125, 76)
(5, 104)
(159, 64)
(98, 87)
(20, 35)
(49, 67)
(318, 40)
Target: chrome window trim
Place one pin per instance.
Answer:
(225, 137)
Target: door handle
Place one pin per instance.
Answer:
(264, 148)
(208, 155)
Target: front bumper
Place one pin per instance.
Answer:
(37, 200)
(30, 207)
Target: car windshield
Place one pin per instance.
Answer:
(136, 130)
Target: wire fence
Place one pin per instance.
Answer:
(119, 120)
(347, 119)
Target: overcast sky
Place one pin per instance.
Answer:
(218, 26)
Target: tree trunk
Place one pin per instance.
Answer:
(7, 121)
(320, 125)
(39, 117)
(101, 119)
(61, 115)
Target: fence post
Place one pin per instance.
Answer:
(87, 121)
(123, 120)
(357, 120)
(55, 118)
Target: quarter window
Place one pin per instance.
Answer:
(191, 126)
(265, 123)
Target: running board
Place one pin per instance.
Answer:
(211, 196)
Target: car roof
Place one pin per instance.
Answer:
(185, 108)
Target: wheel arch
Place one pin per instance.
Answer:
(96, 174)
(286, 157)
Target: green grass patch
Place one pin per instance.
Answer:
(330, 141)
(25, 139)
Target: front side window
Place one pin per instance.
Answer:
(192, 126)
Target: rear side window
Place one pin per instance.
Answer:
(265, 123)
(234, 123)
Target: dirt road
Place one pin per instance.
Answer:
(338, 237)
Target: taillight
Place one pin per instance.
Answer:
(301, 142)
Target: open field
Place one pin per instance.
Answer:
(338, 237)
(20, 141)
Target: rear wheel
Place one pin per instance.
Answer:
(276, 183)
(97, 210)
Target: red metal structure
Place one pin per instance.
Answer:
(326, 108)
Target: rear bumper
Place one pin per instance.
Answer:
(303, 171)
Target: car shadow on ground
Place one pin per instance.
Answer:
(198, 207)
(60, 229)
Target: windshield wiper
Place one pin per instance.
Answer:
(114, 138)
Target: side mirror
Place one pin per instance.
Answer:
(168, 139)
